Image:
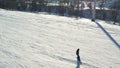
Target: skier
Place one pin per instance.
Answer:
(78, 57)
(77, 52)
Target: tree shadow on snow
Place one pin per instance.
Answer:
(110, 37)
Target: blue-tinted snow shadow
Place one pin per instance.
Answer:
(110, 37)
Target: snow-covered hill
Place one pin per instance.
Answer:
(29, 40)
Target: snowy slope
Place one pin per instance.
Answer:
(29, 40)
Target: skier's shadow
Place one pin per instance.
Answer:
(78, 62)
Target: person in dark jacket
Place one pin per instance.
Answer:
(77, 52)
(78, 56)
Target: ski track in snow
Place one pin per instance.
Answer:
(29, 40)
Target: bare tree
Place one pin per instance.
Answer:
(116, 8)
(102, 9)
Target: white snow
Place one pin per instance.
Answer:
(31, 40)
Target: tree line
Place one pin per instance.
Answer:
(63, 7)
(60, 6)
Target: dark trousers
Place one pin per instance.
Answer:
(78, 59)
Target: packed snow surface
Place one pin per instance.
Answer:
(37, 40)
